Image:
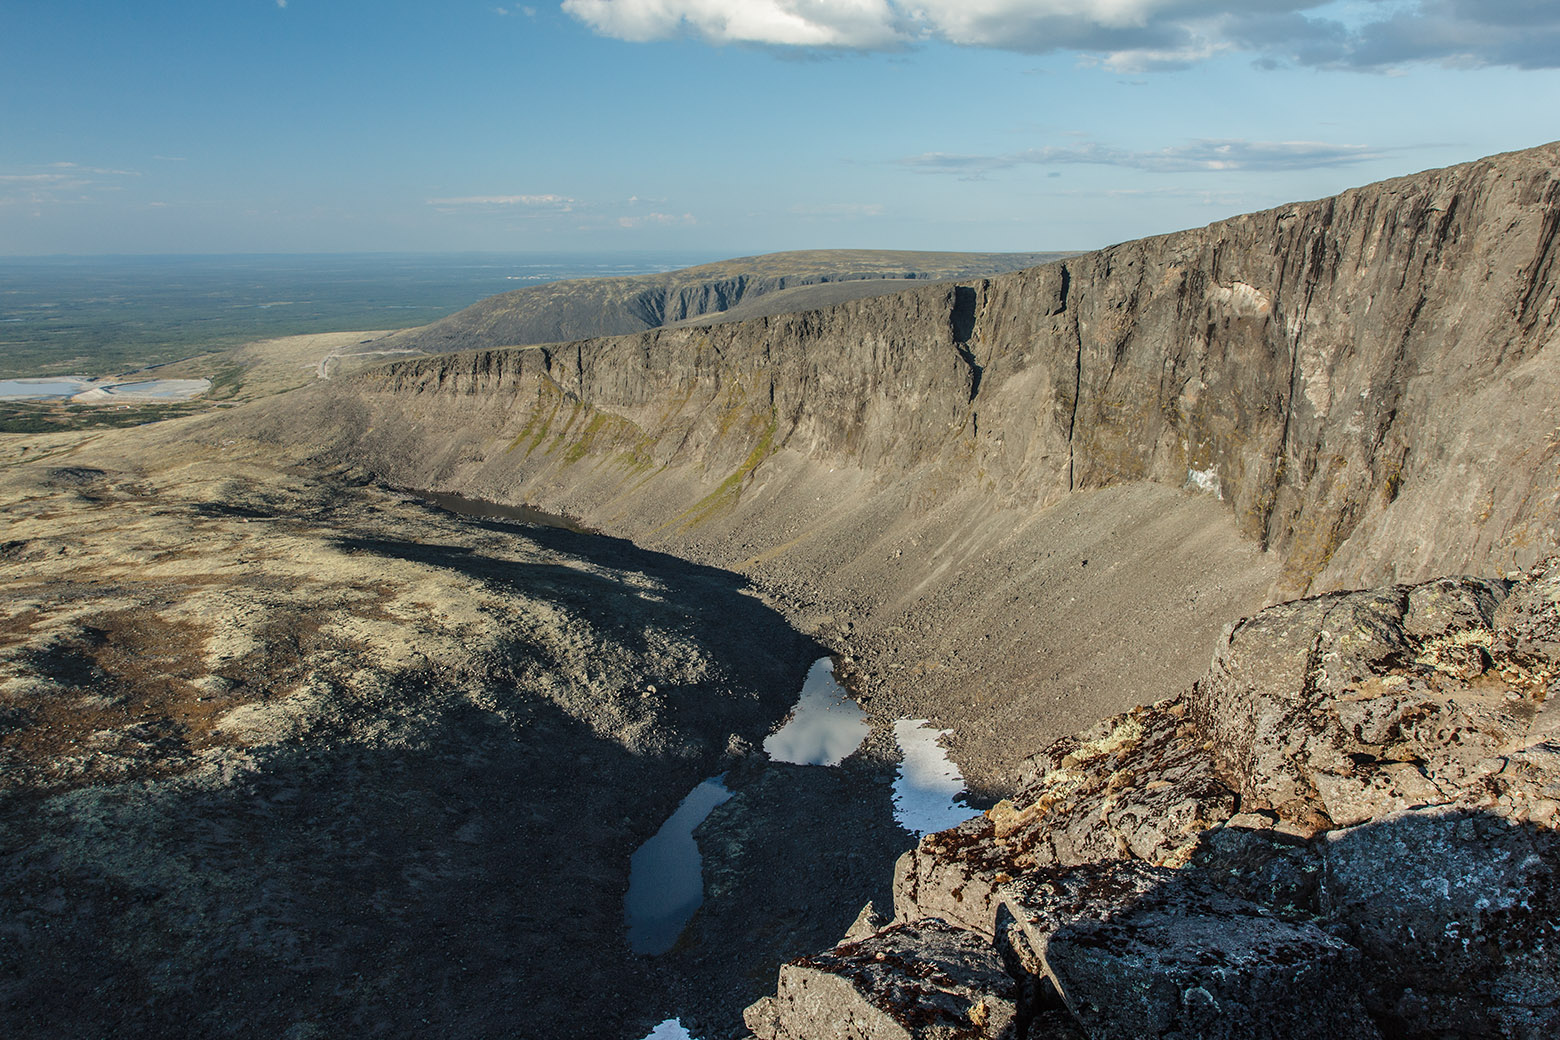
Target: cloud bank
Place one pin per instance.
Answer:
(562, 203)
(1124, 34)
(1208, 156)
(59, 182)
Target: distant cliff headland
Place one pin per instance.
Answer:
(775, 283)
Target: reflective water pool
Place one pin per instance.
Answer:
(484, 509)
(41, 389)
(666, 877)
(666, 886)
(825, 726)
(666, 880)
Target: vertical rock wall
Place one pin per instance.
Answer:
(1328, 368)
(1023, 503)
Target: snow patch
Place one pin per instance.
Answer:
(927, 789)
(1242, 300)
(1205, 480)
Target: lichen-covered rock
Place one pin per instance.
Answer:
(1337, 710)
(924, 980)
(1140, 951)
(1333, 711)
(1322, 713)
(1248, 858)
(1373, 772)
(1459, 913)
(1140, 786)
(1306, 775)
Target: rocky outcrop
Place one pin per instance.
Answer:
(1136, 951)
(1348, 828)
(922, 979)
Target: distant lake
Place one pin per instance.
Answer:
(92, 314)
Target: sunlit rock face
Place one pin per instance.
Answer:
(1360, 778)
(965, 485)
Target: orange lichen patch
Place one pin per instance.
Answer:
(108, 695)
(121, 694)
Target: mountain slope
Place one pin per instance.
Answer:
(991, 479)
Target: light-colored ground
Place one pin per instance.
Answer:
(143, 391)
(273, 366)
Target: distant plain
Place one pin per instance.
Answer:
(97, 315)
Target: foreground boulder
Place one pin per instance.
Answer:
(1459, 915)
(1139, 951)
(925, 980)
(1347, 829)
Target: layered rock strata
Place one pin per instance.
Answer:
(1327, 368)
(580, 307)
(1143, 442)
(1347, 828)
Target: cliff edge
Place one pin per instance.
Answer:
(1345, 829)
(1021, 503)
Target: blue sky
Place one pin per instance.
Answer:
(726, 127)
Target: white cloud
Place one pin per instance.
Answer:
(656, 219)
(1209, 156)
(59, 182)
(558, 202)
(78, 168)
(1123, 34)
(796, 23)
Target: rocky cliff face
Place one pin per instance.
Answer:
(1324, 395)
(1345, 829)
(582, 307)
(1329, 367)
